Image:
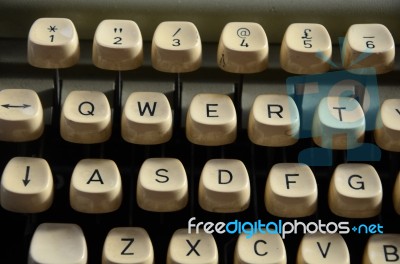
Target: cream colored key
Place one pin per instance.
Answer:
(396, 194)
(128, 245)
(58, 243)
(355, 191)
(260, 248)
(162, 185)
(176, 47)
(27, 185)
(387, 128)
(21, 115)
(211, 120)
(274, 121)
(147, 119)
(306, 49)
(95, 186)
(312, 92)
(291, 190)
(382, 248)
(243, 48)
(86, 117)
(368, 46)
(224, 186)
(339, 123)
(117, 45)
(318, 248)
(53, 43)
(191, 248)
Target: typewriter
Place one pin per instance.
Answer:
(199, 131)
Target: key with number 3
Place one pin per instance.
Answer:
(176, 47)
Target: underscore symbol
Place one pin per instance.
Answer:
(370, 44)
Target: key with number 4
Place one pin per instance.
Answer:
(243, 48)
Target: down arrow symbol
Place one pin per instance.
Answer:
(26, 180)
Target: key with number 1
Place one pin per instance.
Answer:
(53, 43)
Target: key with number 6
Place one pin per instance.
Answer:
(368, 46)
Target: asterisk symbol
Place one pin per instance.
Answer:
(52, 28)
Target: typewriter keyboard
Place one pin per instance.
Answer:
(117, 149)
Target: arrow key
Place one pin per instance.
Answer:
(21, 115)
(26, 185)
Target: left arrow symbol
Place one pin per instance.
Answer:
(15, 106)
(26, 180)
